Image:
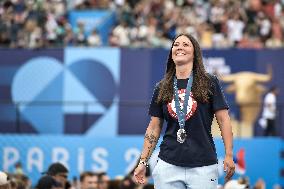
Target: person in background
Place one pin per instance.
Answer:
(269, 111)
(19, 169)
(48, 182)
(4, 181)
(59, 172)
(88, 180)
(103, 180)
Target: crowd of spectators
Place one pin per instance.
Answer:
(215, 23)
(57, 177)
(145, 23)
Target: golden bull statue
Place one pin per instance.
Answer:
(248, 90)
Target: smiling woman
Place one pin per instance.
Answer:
(187, 98)
(182, 53)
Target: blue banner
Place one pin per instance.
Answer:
(12, 62)
(85, 89)
(255, 158)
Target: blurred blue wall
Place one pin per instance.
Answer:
(84, 90)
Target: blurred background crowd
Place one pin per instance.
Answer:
(144, 23)
(57, 177)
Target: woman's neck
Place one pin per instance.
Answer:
(183, 71)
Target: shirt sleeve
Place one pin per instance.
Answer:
(219, 101)
(156, 109)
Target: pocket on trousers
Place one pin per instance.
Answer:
(156, 167)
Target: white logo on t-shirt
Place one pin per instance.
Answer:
(191, 106)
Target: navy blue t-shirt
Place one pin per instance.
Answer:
(198, 148)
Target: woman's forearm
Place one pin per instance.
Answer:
(151, 138)
(227, 135)
(226, 131)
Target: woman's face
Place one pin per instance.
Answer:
(182, 51)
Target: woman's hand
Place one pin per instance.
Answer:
(229, 167)
(140, 174)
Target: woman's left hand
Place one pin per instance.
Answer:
(229, 167)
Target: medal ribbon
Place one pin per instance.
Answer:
(181, 114)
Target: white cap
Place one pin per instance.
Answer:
(234, 184)
(3, 178)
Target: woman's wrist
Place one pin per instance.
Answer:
(230, 154)
(143, 162)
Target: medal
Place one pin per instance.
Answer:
(181, 135)
(181, 114)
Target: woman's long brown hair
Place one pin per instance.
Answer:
(201, 80)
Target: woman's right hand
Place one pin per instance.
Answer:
(140, 174)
